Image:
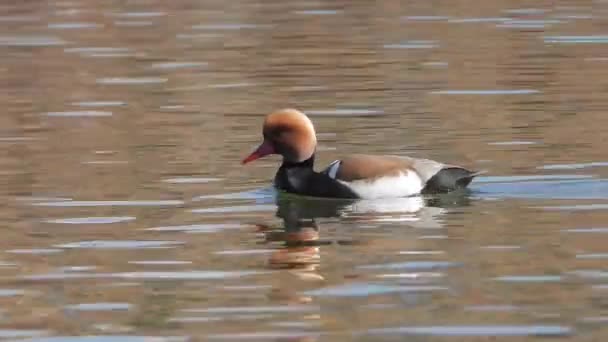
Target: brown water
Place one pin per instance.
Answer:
(126, 211)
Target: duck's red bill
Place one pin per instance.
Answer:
(264, 149)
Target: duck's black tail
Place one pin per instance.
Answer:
(450, 179)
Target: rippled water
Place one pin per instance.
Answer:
(128, 217)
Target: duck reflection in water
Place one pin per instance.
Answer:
(300, 232)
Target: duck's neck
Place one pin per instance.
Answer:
(306, 164)
(300, 178)
(295, 177)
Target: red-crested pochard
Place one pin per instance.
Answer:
(291, 134)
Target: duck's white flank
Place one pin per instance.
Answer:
(404, 184)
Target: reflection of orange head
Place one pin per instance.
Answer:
(287, 132)
(302, 235)
(295, 257)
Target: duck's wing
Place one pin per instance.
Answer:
(370, 167)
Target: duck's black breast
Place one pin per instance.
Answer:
(304, 180)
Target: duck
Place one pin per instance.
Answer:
(291, 134)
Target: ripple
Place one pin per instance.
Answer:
(131, 80)
(16, 139)
(436, 64)
(134, 23)
(177, 65)
(267, 336)
(86, 113)
(592, 256)
(41, 199)
(68, 12)
(18, 18)
(572, 166)
(160, 275)
(413, 44)
(97, 50)
(591, 274)
(64, 276)
(194, 319)
(231, 85)
(421, 252)
(529, 279)
(596, 59)
(478, 20)
(16, 333)
(111, 54)
(191, 180)
(317, 12)
(160, 262)
(524, 178)
(309, 88)
(492, 308)
(413, 265)
(576, 39)
(529, 24)
(296, 324)
(477, 330)
(109, 203)
(574, 16)
(595, 319)
(189, 275)
(73, 26)
(225, 27)
(573, 189)
(266, 193)
(77, 268)
(109, 338)
(99, 103)
(346, 112)
(236, 209)
(500, 247)
(412, 275)
(7, 264)
(92, 220)
(602, 230)
(245, 252)
(426, 18)
(198, 228)
(432, 237)
(579, 207)
(526, 11)
(31, 41)
(105, 162)
(139, 14)
(12, 292)
(120, 244)
(35, 251)
(300, 308)
(197, 35)
(514, 142)
(99, 307)
(246, 288)
(486, 92)
(368, 289)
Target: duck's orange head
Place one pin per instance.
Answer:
(287, 132)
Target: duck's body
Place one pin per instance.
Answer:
(372, 177)
(291, 134)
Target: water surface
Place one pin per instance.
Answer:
(128, 217)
